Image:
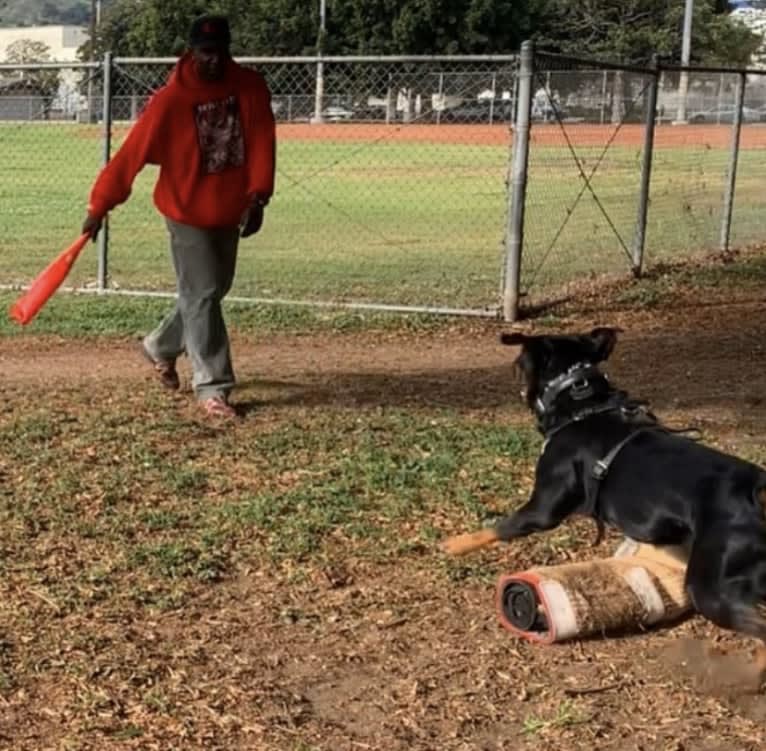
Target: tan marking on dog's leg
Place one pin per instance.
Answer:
(468, 543)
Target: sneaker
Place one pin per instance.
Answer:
(165, 370)
(218, 407)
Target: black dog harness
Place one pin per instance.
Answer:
(578, 382)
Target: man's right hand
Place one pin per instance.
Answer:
(92, 226)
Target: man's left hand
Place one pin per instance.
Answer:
(253, 218)
(91, 226)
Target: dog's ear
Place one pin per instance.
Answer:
(513, 340)
(603, 339)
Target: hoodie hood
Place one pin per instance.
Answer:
(185, 76)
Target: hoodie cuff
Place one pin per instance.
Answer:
(97, 209)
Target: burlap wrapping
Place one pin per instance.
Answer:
(640, 586)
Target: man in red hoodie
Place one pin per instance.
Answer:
(211, 131)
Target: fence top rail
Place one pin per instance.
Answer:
(50, 64)
(592, 63)
(712, 69)
(339, 59)
(662, 65)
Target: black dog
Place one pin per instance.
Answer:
(607, 457)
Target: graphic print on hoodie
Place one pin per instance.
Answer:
(219, 133)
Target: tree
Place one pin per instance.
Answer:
(723, 40)
(274, 27)
(151, 28)
(45, 80)
(290, 27)
(621, 30)
(159, 28)
(429, 26)
(631, 31)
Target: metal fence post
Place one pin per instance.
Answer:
(319, 92)
(639, 238)
(514, 91)
(519, 161)
(440, 99)
(103, 238)
(731, 183)
(683, 82)
(492, 101)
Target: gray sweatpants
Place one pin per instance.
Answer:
(204, 261)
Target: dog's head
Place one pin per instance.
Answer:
(543, 359)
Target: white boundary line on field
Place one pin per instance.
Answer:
(380, 307)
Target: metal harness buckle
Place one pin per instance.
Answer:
(600, 468)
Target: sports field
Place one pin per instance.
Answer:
(411, 214)
(277, 584)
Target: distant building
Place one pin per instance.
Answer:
(19, 98)
(753, 15)
(747, 4)
(63, 41)
(22, 99)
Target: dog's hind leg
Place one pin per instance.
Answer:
(715, 598)
(751, 620)
(735, 672)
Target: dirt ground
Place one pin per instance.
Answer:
(377, 658)
(542, 134)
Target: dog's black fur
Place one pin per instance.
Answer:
(661, 488)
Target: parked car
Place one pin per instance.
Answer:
(336, 114)
(547, 113)
(476, 112)
(727, 115)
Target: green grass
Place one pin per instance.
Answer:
(684, 218)
(88, 315)
(414, 223)
(742, 273)
(84, 315)
(566, 715)
(151, 520)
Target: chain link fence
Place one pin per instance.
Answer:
(391, 183)
(620, 169)
(398, 184)
(50, 156)
(584, 170)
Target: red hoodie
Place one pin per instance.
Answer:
(214, 143)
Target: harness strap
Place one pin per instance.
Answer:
(600, 470)
(601, 467)
(632, 410)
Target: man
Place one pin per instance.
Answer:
(211, 131)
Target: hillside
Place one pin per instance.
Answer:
(39, 12)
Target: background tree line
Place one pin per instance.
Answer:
(621, 30)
